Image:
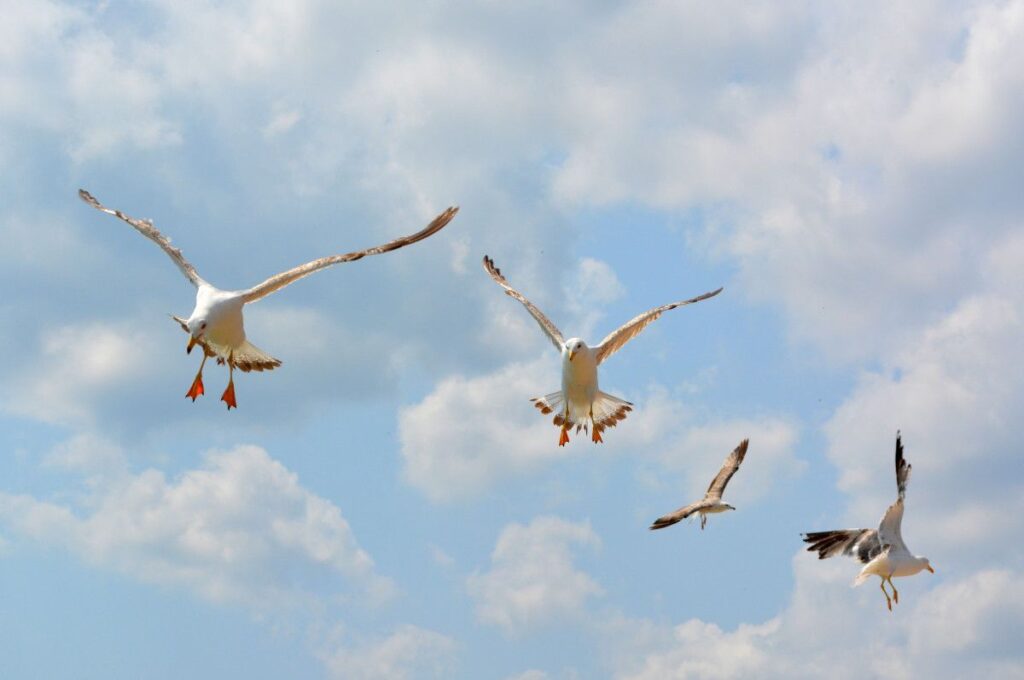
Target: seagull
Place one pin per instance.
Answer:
(712, 501)
(580, 401)
(216, 321)
(882, 551)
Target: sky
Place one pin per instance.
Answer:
(388, 503)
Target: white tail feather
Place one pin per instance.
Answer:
(605, 411)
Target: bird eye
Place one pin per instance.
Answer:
(203, 326)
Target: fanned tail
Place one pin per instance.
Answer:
(552, 403)
(606, 411)
(249, 357)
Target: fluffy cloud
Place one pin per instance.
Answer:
(532, 579)
(841, 632)
(240, 529)
(76, 363)
(470, 433)
(409, 652)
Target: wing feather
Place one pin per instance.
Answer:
(619, 337)
(545, 323)
(729, 468)
(279, 281)
(902, 468)
(146, 228)
(677, 516)
(861, 544)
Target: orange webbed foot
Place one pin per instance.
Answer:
(564, 438)
(229, 396)
(596, 436)
(196, 389)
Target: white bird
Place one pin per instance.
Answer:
(712, 501)
(882, 551)
(580, 402)
(216, 321)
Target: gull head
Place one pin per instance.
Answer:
(926, 564)
(196, 328)
(574, 346)
(727, 506)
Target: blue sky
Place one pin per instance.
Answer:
(388, 504)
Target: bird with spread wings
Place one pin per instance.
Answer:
(712, 502)
(216, 321)
(882, 551)
(580, 403)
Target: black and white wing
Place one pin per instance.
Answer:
(545, 323)
(862, 544)
(729, 468)
(279, 281)
(902, 468)
(146, 228)
(678, 516)
(629, 330)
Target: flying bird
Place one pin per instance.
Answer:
(712, 501)
(882, 551)
(216, 321)
(580, 403)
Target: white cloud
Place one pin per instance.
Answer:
(469, 433)
(593, 285)
(956, 392)
(532, 580)
(532, 674)
(78, 363)
(955, 629)
(240, 529)
(410, 652)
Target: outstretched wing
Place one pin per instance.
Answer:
(619, 337)
(281, 280)
(889, 528)
(677, 516)
(146, 228)
(862, 544)
(729, 468)
(545, 323)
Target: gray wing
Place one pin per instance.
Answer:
(545, 323)
(729, 468)
(677, 516)
(862, 544)
(146, 228)
(619, 337)
(279, 281)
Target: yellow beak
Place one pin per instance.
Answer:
(191, 343)
(572, 353)
(929, 568)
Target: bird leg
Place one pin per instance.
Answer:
(888, 601)
(197, 384)
(895, 593)
(563, 439)
(596, 434)
(229, 394)
(703, 521)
